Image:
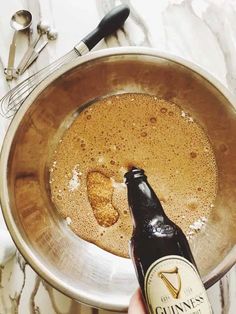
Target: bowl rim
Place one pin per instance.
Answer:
(38, 266)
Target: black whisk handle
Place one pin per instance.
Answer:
(112, 21)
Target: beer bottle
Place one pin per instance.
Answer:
(164, 264)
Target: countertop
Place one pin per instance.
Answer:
(202, 31)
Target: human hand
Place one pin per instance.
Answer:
(137, 305)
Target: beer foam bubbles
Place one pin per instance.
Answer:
(107, 137)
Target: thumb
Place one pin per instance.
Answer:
(137, 305)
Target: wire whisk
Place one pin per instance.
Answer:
(12, 101)
(113, 20)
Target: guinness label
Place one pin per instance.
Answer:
(173, 286)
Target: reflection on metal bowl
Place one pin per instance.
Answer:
(80, 269)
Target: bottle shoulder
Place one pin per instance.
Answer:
(158, 228)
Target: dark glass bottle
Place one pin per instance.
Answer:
(164, 264)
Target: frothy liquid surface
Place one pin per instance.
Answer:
(91, 158)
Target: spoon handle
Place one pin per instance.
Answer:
(108, 25)
(27, 55)
(33, 56)
(11, 58)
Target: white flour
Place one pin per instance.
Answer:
(74, 182)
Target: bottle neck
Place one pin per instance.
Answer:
(143, 202)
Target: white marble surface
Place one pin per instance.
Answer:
(202, 31)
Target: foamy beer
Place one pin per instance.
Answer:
(103, 138)
(164, 264)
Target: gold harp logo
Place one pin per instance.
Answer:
(175, 291)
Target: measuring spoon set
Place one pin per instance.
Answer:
(21, 21)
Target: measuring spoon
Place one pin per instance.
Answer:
(20, 21)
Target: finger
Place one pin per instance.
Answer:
(136, 305)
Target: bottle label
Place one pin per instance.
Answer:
(173, 286)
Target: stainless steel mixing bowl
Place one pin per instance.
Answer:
(80, 269)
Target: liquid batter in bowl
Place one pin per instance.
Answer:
(86, 173)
